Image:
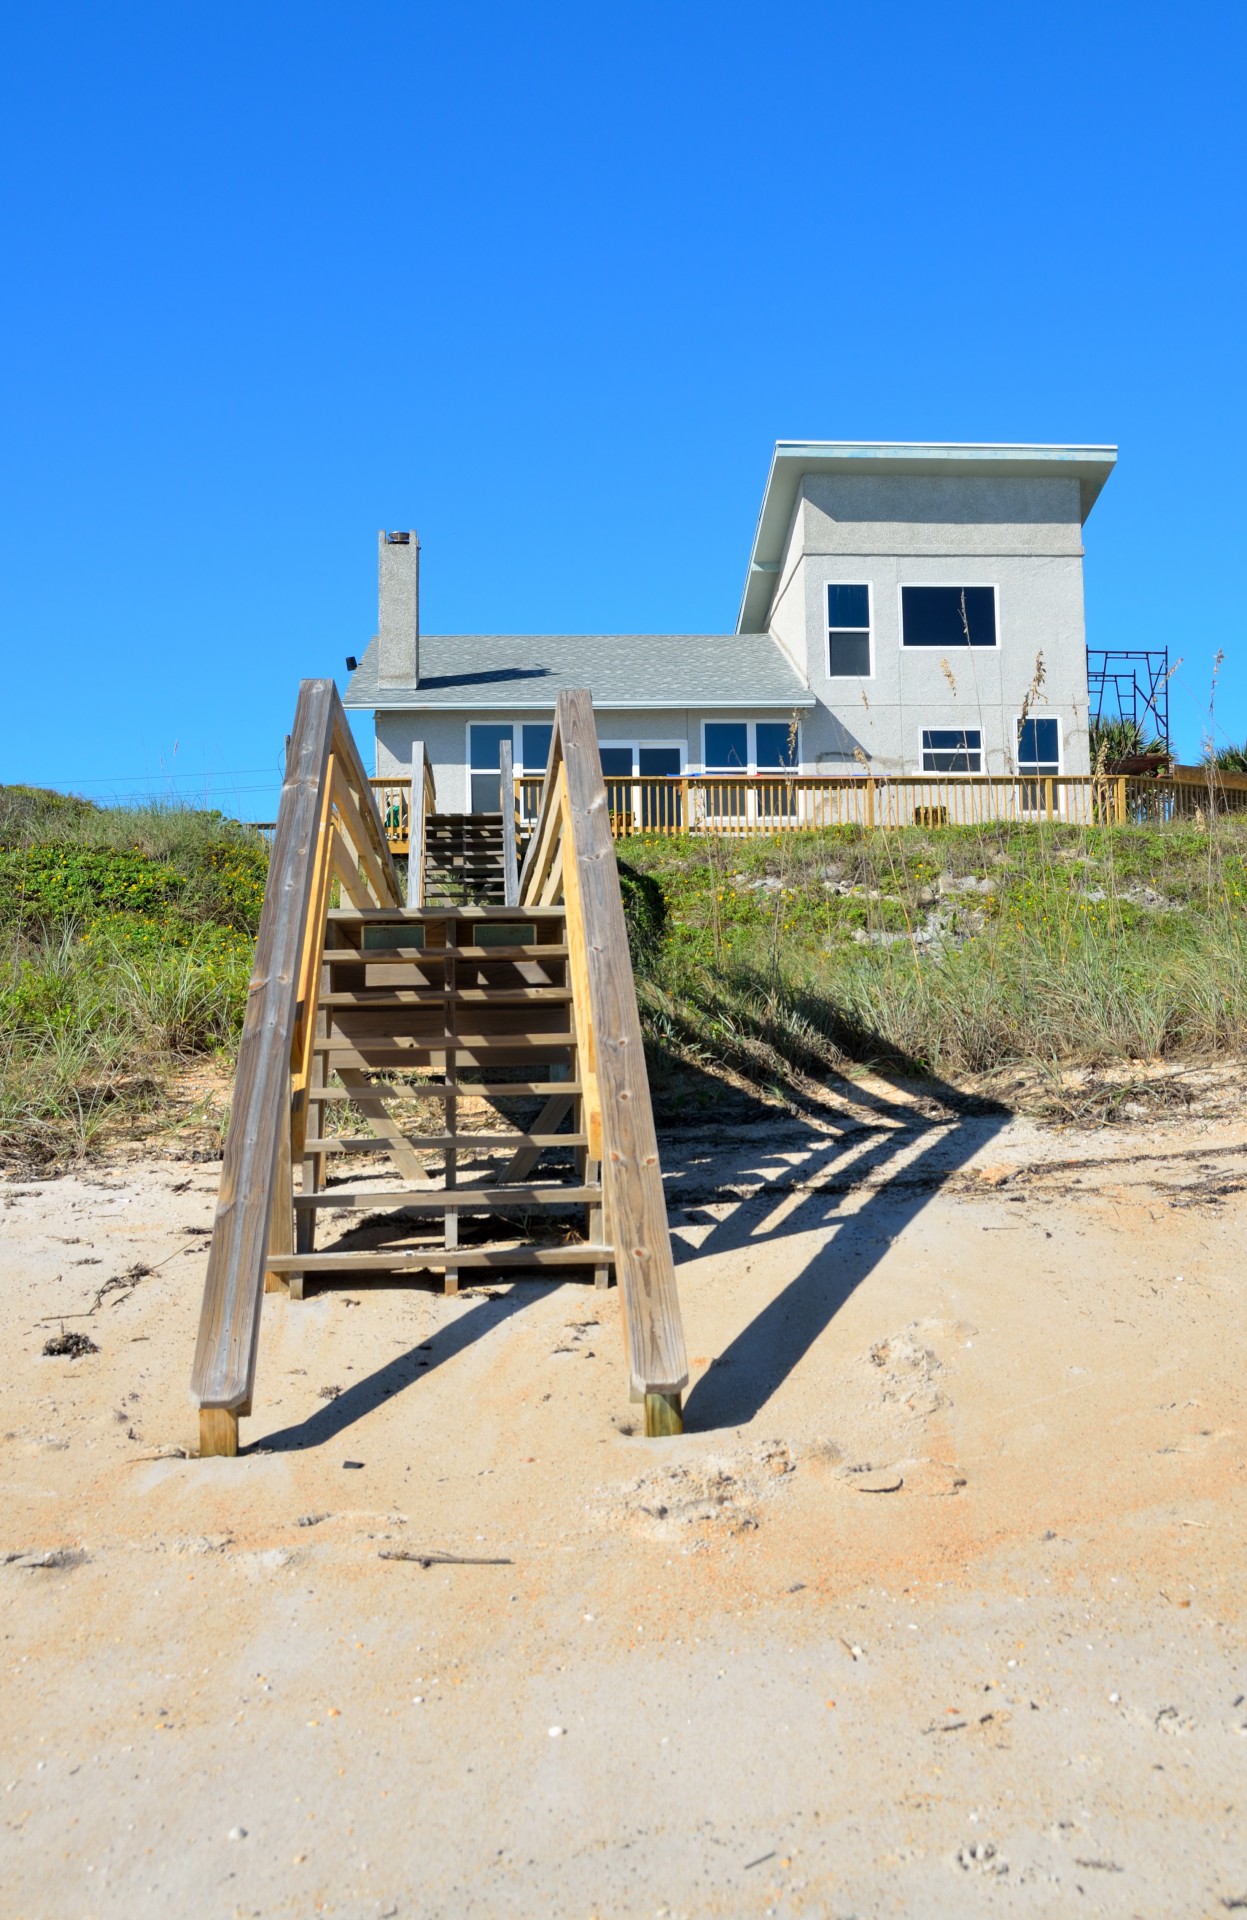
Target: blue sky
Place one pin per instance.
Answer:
(546, 283)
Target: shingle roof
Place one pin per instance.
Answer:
(620, 670)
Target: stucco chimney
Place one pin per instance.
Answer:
(398, 609)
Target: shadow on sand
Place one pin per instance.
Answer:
(783, 1186)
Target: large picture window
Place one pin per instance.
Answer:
(952, 750)
(848, 632)
(755, 753)
(948, 617)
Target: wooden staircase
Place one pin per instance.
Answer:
(473, 1007)
(460, 1083)
(463, 859)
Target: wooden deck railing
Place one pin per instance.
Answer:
(393, 799)
(746, 804)
(570, 858)
(327, 829)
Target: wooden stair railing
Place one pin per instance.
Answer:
(423, 803)
(501, 1001)
(327, 829)
(571, 858)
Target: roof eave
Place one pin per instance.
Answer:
(791, 460)
(412, 704)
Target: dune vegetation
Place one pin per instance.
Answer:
(126, 938)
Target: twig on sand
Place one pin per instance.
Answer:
(439, 1559)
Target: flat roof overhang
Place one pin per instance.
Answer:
(411, 703)
(793, 459)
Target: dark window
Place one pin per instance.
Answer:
(660, 805)
(1039, 745)
(777, 745)
(848, 632)
(484, 759)
(952, 750)
(617, 769)
(727, 746)
(948, 617)
(535, 746)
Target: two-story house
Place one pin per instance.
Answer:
(907, 610)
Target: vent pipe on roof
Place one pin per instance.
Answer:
(398, 609)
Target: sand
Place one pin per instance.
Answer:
(936, 1609)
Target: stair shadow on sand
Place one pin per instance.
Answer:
(808, 1198)
(354, 1403)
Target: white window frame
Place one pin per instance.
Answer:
(957, 586)
(636, 802)
(681, 746)
(517, 740)
(469, 771)
(828, 629)
(751, 771)
(749, 776)
(932, 728)
(1024, 773)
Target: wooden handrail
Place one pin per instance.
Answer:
(510, 863)
(571, 856)
(423, 803)
(326, 824)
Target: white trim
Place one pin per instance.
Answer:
(680, 746)
(412, 704)
(932, 774)
(468, 725)
(517, 743)
(1026, 773)
(956, 586)
(828, 629)
(751, 738)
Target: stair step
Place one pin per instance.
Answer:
(357, 956)
(452, 1200)
(418, 916)
(519, 1254)
(374, 1056)
(438, 1090)
(442, 1142)
(366, 999)
(439, 1042)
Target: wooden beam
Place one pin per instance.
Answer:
(309, 966)
(441, 1200)
(254, 1191)
(437, 1142)
(229, 1323)
(417, 824)
(543, 1134)
(218, 1433)
(521, 1253)
(510, 862)
(371, 1101)
(347, 870)
(358, 834)
(470, 1089)
(632, 1175)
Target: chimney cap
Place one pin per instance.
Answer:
(398, 539)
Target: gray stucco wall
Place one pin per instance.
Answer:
(446, 740)
(1021, 536)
